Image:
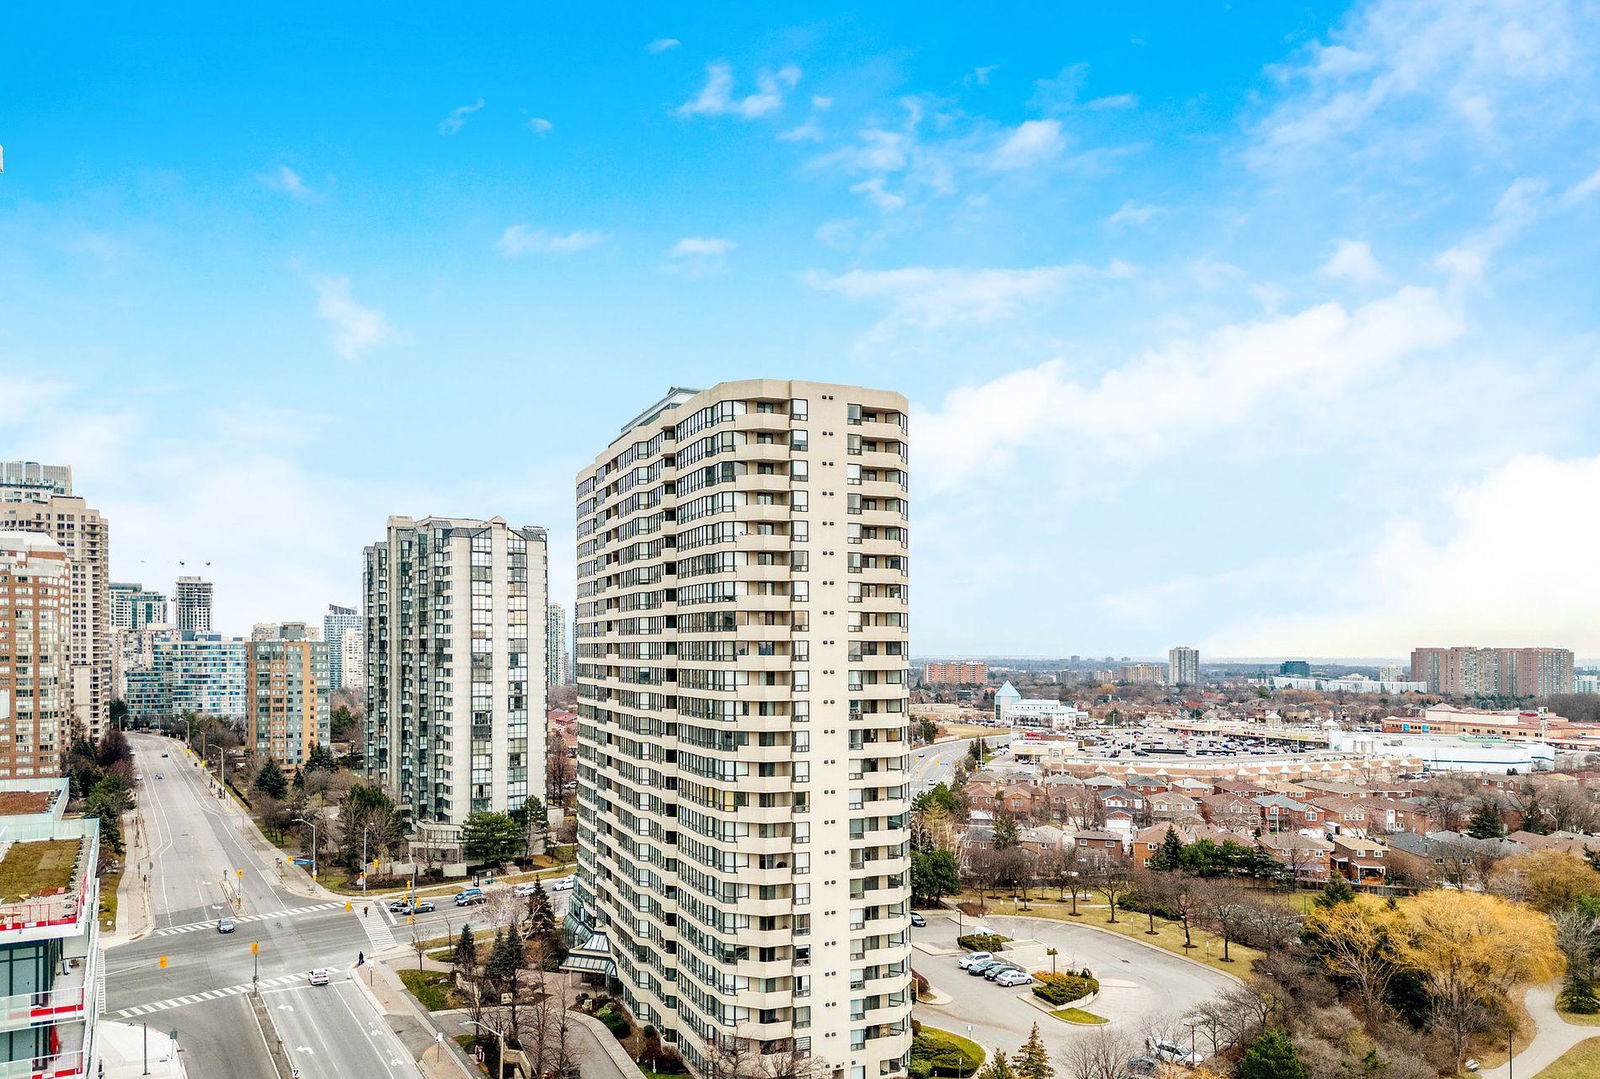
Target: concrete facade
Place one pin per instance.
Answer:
(742, 673)
(192, 599)
(286, 687)
(455, 635)
(35, 597)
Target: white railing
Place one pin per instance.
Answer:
(62, 1066)
(64, 1003)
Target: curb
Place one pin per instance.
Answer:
(1141, 943)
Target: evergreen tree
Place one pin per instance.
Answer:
(491, 837)
(1336, 891)
(270, 780)
(1169, 855)
(1485, 823)
(934, 875)
(1272, 1056)
(997, 1068)
(1007, 833)
(1033, 1060)
(465, 957)
(500, 969)
(1534, 818)
(321, 757)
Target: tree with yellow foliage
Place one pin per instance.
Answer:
(1545, 879)
(1355, 944)
(1472, 952)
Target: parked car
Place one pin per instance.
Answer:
(563, 884)
(1143, 1066)
(979, 930)
(980, 969)
(163, 756)
(998, 969)
(318, 976)
(471, 899)
(1011, 978)
(918, 920)
(973, 957)
(525, 889)
(227, 925)
(1171, 1052)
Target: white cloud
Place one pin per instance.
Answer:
(661, 45)
(522, 240)
(699, 255)
(980, 75)
(1033, 142)
(1399, 74)
(931, 298)
(1166, 400)
(1520, 206)
(1479, 571)
(458, 118)
(539, 125)
(1352, 260)
(1133, 213)
(1114, 101)
(716, 97)
(356, 328)
(876, 189)
(810, 131)
(288, 182)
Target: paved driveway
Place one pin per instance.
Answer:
(1137, 982)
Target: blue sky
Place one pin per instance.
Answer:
(1267, 328)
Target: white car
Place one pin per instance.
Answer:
(562, 884)
(525, 889)
(318, 976)
(1011, 978)
(1169, 1052)
(973, 957)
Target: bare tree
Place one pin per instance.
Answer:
(1110, 875)
(1100, 1054)
(1226, 910)
(1446, 800)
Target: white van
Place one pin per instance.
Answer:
(973, 957)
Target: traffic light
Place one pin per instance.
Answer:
(240, 873)
(348, 906)
(255, 947)
(161, 961)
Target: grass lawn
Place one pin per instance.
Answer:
(955, 729)
(1582, 1061)
(37, 867)
(934, 1039)
(108, 899)
(1580, 1020)
(1079, 1016)
(430, 987)
(1169, 935)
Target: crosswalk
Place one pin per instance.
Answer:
(173, 930)
(378, 932)
(215, 994)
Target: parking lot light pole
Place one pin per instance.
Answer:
(500, 1063)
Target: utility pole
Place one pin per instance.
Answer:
(302, 820)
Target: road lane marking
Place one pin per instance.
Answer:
(212, 923)
(282, 980)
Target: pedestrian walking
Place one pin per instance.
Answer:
(361, 957)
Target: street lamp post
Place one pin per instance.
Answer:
(500, 1068)
(313, 824)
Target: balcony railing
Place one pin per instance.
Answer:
(61, 1066)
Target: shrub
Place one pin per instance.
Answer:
(940, 1053)
(982, 942)
(615, 1021)
(1064, 988)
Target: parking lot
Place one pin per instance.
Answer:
(1137, 982)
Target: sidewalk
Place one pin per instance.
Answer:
(134, 917)
(126, 1047)
(436, 1055)
(1552, 1037)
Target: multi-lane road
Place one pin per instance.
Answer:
(935, 764)
(206, 862)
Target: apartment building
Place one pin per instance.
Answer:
(1464, 671)
(455, 665)
(29, 481)
(741, 630)
(1183, 666)
(335, 624)
(36, 679)
(555, 634)
(192, 598)
(49, 934)
(133, 606)
(85, 538)
(955, 673)
(352, 660)
(286, 694)
(202, 673)
(1142, 674)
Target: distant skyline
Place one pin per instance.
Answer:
(1269, 329)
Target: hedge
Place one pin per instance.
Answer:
(982, 942)
(940, 1053)
(1064, 988)
(615, 1021)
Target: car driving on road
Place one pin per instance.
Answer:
(471, 897)
(562, 884)
(421, 906)
(226, 925)
(318, 976)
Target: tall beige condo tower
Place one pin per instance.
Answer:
(744, 854)
(85, 539)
